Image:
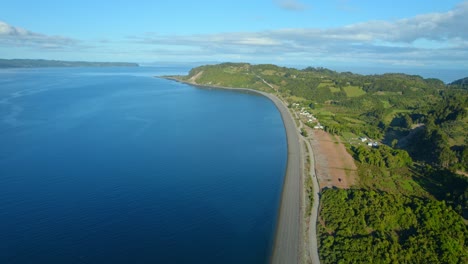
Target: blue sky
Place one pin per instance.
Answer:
(341, 33)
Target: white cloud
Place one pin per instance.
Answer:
(428, 38)
(19, 37)
(6, 29)
(292, 5)
(436, 26)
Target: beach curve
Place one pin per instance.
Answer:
(288, 242)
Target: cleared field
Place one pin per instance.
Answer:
(350, 138)
(269, 72)
(294, 99)
(232, 70)
(354, 91)
(322, 111)
(326, 84)
(334, 165)
(353, 120)
(334, 89)
(388, 118)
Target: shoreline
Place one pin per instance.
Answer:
(287, 244)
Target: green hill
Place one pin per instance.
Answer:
(374, 101)
(423, 116)
(461, 83)
(410, 201)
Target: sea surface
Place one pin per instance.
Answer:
(112, 165)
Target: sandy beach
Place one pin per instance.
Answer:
(288, 242)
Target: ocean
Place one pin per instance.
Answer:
(113, 165)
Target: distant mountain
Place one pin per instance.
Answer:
(27, 63)
(462, 83)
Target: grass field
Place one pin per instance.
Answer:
(388, 118)
(354, 91)
(295, 99)
(269, 72)
(231, 70)
(322, 112)
(334, 89)
(347, 136)
(353, 120)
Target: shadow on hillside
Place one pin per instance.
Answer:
(445, 185)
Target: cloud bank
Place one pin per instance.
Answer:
(16, 36)
(427, 39)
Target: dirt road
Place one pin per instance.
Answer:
(313, 245)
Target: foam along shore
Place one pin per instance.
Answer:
(288, 240)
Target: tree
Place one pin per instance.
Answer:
(464, 157)
(447, 157)
(408, 121)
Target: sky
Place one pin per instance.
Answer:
(425, 34)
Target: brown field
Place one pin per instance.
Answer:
(334, 165)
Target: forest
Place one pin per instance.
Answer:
(361, 226)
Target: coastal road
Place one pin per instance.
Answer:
(288, 241)
(313, 248)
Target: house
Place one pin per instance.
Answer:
(363, 139)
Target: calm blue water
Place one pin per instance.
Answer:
(114, 166)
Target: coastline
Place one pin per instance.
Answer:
(287, 245)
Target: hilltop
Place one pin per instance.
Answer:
(27, 63)
(462, 83)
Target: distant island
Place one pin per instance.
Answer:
(28, 63)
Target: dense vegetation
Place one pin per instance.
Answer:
(462, 83)
(412, 196)
(360, 226)
(383, 157)
(25, 63)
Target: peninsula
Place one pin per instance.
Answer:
(28, 63)
(384, 151)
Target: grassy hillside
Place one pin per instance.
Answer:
(376, 106)
(240, 75)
